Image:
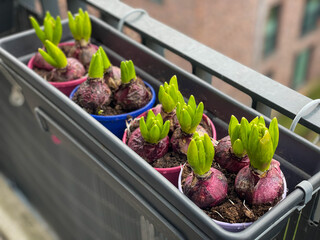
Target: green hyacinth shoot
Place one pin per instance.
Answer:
(153, 130)
(96, 69)
(105, 60)
(52, 29)
(239, 133)
(54, 55)
(80, 25)
(189, 115)
(200, 154)
(262, 143)
(127, 71)
(169, 95)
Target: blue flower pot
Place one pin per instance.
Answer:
(117, 123)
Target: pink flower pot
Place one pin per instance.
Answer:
(172, 174)
(64, 87)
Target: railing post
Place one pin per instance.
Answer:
(260, 107)
(204, 75)
(50, 5)
(153, 45)
(74, 5)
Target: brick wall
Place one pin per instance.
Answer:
(236, 29)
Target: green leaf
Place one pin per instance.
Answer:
(105, 59)
(172, 92)
(180, 98)
(192, 102)
(150, 118)
(47, 57)
(244, 132)
(41, 35)
(238, 148)
(174, 82)
(198, 115)
(261, 121)
(190, 110)
(159, 119)
(274, 133)
(168, 103)
(87, 27)
(124, 72)
(132, 72)
(261, 146)
(209, 149)
(254, 121)
(153, 130)
(264, 153)
(72, 26)
(127, 71)
(48, 29)
(232, 124)
(79, 25)
(143, 128)
(253, 140)
(169, 95)
(161, 94)
(188, 119)
(200, 154)
(201, 157)
(192, 155)
(165, 129)
(57, 54)
(154, 134)
(96, 67)
(235, 134)
(57, 32)
(185, 121)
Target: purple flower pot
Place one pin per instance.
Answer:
(233, 227)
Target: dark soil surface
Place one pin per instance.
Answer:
(233, 209)
(171, 159)
(42, 72)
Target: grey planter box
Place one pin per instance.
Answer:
(92, 186)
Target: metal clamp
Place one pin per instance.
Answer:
(307, 188)
(308, 108)
(123, 19)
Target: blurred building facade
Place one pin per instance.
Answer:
(278, 38)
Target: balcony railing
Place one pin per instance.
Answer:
(266, 94)
(205, 62)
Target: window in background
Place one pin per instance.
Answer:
(301, 68)
(271, 31)
(157, 1)
(311, 16)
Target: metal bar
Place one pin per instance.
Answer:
(74, 5)
(261, 88)
(50, 5)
